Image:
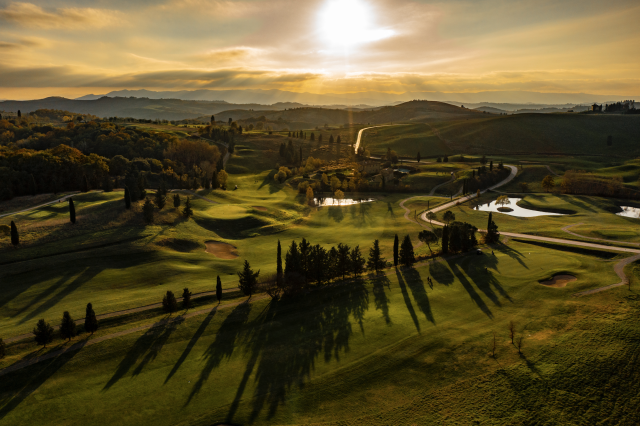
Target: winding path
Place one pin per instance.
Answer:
(619, 270)
(566, 229)
(41, 205)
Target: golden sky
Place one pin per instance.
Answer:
(74, 47)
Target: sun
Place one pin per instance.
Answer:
(347, 23)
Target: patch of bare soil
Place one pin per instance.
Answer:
(179, 244)
(559, 281)
(221, 250)
(261, 208)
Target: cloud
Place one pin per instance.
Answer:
(230, 54)
(30, 15)
(22, 43)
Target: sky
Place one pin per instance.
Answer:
(75, 47)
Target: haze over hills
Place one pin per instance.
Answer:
(365, 98)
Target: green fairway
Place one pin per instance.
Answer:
(361, 352)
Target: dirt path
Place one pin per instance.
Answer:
(124, 312)
(551, 171)
(357, 144)
(619, 270)
(566, 229)
(88, 342)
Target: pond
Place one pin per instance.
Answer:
(344, 202)
(516, 210)
(627, 211)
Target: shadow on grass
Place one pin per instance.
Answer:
(407, 300)
(20, 385)
(458, 272)
(271, 183)
(336, 213)
(512, 253)
(147, 345)
(380, 296)
(441, 273)
(416, 285)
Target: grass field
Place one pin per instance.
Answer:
(386, 350)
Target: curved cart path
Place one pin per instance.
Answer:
(619, 270)
(88, 342)
(357, 144)
(42, 205)
(566, 229)
(124, 312)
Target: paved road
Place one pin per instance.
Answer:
(619, 270)
(566, 229)
(357, 144)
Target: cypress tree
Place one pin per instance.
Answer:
(176, 200)
(169, 302)
(107, 185)
(218, 289)
(90, 320)
(338, 140)
(187, 212)
(396, 242)
(160, 198)
(127, 198)
(15, 238)
(445, 239)
(279, 274)
(376, 261)
(186, 298)
(85, 184)
(72, 211)
(67, 326)
(407, 256)
(43, 333)
(147, 211)
(247, 279)
(32, 186)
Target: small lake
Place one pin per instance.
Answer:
(344, 202)
(633, 212)
(517, 210)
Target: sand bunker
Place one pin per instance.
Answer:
(261, 208)
(559, 281)
(221, 250)
(179, 244)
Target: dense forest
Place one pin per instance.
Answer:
(91, 154)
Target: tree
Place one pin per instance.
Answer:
(407, 258)
(43, 333)
(176, 200)
(247, 279)
(218, 289)
(491, 165)
(344, 260)
(127, 198)
(3, 349)
(169, 302)
(519, 344)
(339, 196)
(503, 200)
(107, 184)
(357, 261)
(187, 211)
(222, 179)
(147, 211)
(431, 216)
(67, 326)
(90, 320)
(418, 156)
(445, 239)
(279, 273)
(524, 186)
(160, 199)
(310, 196)
(213, 120)
(428, 237)
(512, 330)
(230, 121)
(72, 211)
(483, 160)
(548, 183)
(492, 234)
(338, 140)
(186, 298)
(330, 138)
(396, 243)
(15, 238)
(85, 184)
(449, 216)
(376, 261)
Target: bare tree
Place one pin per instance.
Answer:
(512, 330)
(519, 345)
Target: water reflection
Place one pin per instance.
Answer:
(344, 202)
(633, 212)
(516, 210)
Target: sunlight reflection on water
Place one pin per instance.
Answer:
(517, 210)
(633, 212)
(345, 202)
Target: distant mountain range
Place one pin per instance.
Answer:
(364, 99)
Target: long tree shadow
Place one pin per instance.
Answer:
(148, 346)
(223, 346)
(512, 253)
(194, 339)
(271, 182)
(441, 273)
(336, 213)
(415, 283)
(484, 277)
(407, 300)
(45, 293)
(380, 297)
(14, 391)
(469, 287)
(85, 276)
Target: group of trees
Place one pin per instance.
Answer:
(43, 331)
(458, 237)
(170, 303)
